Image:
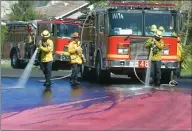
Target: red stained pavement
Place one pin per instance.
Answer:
(163, 110)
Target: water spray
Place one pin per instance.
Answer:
(25, 76)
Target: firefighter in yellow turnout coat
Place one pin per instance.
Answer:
(180, 55)
(77, 57)
(46, 56)
(157, 45)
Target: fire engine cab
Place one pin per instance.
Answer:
(114, 36)
(61, 30)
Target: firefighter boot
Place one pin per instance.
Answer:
(77, 82)
(45, 83)
(75, 79)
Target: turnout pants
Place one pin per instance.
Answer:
(156, 72)
(46, 67)
(75, 72)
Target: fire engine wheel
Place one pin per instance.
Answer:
(103, 76)
(166, 77)
(84, 72)
(54, 66)
(15, 60)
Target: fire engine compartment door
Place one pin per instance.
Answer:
(100, 31)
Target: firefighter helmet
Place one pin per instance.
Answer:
(75, 35)
(161, 29)
(178, 39)
(174, 34)
(45, 34)
(158, 34)
(153, 28)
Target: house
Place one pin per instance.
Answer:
(60, 9)
(57, 9)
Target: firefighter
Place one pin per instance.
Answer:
(77, 57)
(46, 56)
(153, 29)
(161, 29)
(177, 72)
(180, 55)
(29, 46)
(156, 44)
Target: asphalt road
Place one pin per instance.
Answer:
(117, 105)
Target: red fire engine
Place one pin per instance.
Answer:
(114, 36)
(60, 30)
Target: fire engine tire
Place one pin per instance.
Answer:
(103, 76)
(15, 63)
(166, 77)
(84, 72)
(54, 68)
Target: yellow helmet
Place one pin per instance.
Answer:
(178, 39)
(161, 29)
(153, 28)
(174, 34)
(45, 34)
(158, 34)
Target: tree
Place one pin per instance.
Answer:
(3, 36)
(3, 33)
(99, 3)
(22, 11)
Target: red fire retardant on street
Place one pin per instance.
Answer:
(163, 110)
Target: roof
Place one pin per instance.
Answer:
(73, 22)
(58, 9)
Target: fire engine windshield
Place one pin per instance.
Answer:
(164, 22)
(125, 23)
(66, 30)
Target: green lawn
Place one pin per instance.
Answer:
(187, 71)
(6, 66)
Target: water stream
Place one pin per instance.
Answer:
(25, 76)
(147, 77)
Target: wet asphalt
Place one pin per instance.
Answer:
(36, 95)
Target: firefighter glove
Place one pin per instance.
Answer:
(78, 49)
(155, 49)
(83, 57)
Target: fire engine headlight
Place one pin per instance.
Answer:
(122, 51)
(165, 52)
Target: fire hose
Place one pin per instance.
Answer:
(63, 77)
(149, 67)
